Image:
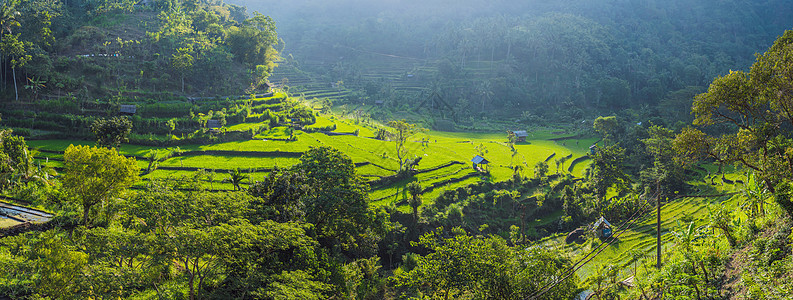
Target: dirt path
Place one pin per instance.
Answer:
(734, 267)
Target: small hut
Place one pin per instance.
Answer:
(267, 86)
(520, 135)
(602, 228)
(213, 124)
(593, 149)
(145, 3)
(128, 109)
(478, 160)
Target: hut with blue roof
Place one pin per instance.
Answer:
(479, 160)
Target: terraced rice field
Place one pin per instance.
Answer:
(445, 156)
(641, 235)
(12, 214)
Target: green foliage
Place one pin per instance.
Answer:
(16, 163)
(280, 196)
(96, 175)
(182, 61)
(402, 132)
(111, 132)
(414, 188)
(48, 265)
(540, 170)
(252, 42)
(606, 170)
(363, 280)
(606, 126)
(338, 201)
(754, 104)
(482, 268)
(236, 177)
(721, 218)
(667, 172)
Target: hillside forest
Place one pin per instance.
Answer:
(401, 149)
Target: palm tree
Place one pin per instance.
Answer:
(686, 235)
(236, 177)
(8, 15)
(755, 194)
(414, 188)
(35, 86)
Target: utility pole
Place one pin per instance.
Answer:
(658, 232)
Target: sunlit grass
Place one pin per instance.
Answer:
(228, 162)
(641, 236)
(379, 158)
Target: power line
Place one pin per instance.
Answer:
(575, 267)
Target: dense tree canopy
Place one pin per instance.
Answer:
(337, 203)
(204, 43)
(756, 107)
(465, 267)
(111, 132)
(96, 175)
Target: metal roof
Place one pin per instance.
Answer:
(602, 220)
(129, 109)
(479, 160)
(521, 133)
(213, 124)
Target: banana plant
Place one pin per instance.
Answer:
(755, 194)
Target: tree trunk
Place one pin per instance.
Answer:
(86, 209)
(192, 288)
(16, 92)
(492, 55)
(191, 276)
(704, 271)
(728, 234)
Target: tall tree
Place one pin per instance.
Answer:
(280, 196)
(96, 175)
(8, 20)
(667, 171)
(758, 106)
(182, 62)
(111, 132)
(414, 188)
(338, 200)
(606, 170)
(14, 48)
(402, 132)
(607, 126)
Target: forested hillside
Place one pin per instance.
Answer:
(126, 49)
(536, 60)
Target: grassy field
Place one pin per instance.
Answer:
(445, 156)
(5, 222)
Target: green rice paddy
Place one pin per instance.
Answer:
(445, 156)
(642, 235)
